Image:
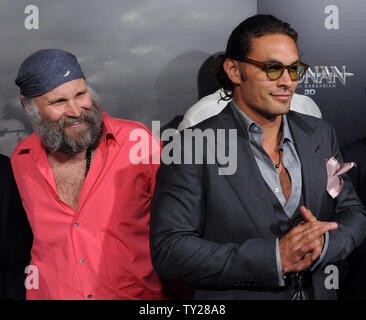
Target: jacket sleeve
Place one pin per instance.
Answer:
(350, 215)
(16, 239)
(178, 247)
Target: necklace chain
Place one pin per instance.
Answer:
(277, 165)
(88, 160)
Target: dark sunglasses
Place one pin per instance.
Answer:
(274, 71)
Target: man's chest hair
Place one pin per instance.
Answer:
(69, 178)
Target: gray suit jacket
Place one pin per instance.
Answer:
(218, 231)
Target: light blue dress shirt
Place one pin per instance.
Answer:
(269, 173)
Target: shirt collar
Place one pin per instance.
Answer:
(286, 129)
(246, 123)
(108, 132)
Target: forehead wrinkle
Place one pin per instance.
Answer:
(66, 93)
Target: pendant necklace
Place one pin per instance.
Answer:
(88, 160)
(277, 165)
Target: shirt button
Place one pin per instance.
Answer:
(90, 296)
(76, 224)
(277, 190)
(81, 260)
(255, 128)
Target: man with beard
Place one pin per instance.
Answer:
(87, 203)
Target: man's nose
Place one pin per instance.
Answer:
(285, 79)
(73, 109)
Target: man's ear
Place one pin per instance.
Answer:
(232, 70)
(25, 105)
(21, 98)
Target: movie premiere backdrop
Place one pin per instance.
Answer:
(148, 60)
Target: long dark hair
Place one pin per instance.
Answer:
(239, 44)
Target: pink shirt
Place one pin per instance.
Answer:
(101, 251)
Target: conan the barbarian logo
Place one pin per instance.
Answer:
(324, 77)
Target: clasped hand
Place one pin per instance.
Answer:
(304, 244)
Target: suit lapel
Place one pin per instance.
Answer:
(314, 176)
(248, 183)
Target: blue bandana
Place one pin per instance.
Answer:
(45, 70)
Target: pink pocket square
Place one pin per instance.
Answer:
(335, 170)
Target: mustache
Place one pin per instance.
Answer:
(69, 121)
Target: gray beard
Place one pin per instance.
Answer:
(54, 139)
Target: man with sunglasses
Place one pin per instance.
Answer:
(269, 230)
(213, 104)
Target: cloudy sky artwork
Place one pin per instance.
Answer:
(142, 57)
